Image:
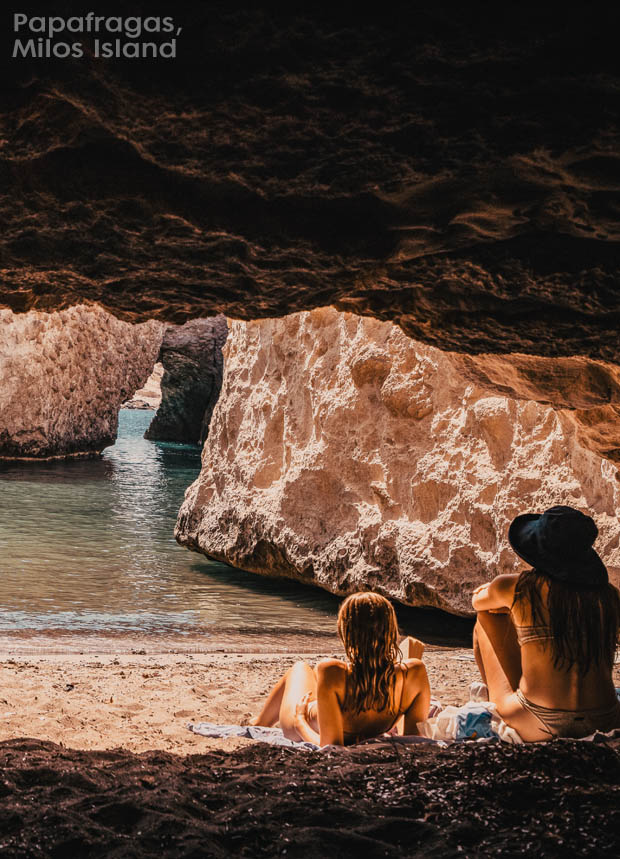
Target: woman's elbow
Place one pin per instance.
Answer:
(479, 597)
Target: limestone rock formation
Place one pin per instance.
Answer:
(344, 454)
(63, 377)
(191, 355)
(585, 392)
(148, 397)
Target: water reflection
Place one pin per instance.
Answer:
(88, 545)
(72, 471)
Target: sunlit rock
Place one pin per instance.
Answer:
(148, 397)
(584, 391)
(344, 454)
(64, 376)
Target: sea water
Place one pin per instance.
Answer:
(88, 546)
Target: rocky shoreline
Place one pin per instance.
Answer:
(63, 378)
(192, 363)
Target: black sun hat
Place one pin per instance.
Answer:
(558, 543)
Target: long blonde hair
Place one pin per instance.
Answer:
(369, 632)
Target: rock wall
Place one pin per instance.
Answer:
(344, 454)
(63, 377)
(451, 172)
(585, 393)
(448, 172)
(191, 355)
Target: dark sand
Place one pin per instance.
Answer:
(469, 800)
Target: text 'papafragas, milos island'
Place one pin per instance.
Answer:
(133, 37)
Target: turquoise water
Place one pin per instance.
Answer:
(88, 545)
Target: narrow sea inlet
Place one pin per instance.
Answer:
(89, 546)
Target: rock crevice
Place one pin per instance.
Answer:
(191, 355)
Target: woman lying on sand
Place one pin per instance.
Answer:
(341, 703)
(545, 640)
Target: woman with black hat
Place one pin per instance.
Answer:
(545, 639)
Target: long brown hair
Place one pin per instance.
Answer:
(369, 632)
(584, 621)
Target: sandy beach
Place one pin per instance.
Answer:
(96, 761)
(139, 692)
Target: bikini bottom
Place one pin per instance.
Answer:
(573, 723)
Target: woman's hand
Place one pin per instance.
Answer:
(301, 710)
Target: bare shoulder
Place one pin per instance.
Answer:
(413, 668)
(507, 579)
(414, 675)
(496, 594)
(502, 581)
(331, 671)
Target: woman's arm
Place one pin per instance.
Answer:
(498, 594)
(419, 688)
(330, 684)
(329, 680)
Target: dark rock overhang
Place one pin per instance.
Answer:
(453, 171)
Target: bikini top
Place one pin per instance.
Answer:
(533, 633)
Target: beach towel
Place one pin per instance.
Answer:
(273, 736)
(476, 721)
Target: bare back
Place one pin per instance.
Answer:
(411, 696)
(553, 686)
(541, 681)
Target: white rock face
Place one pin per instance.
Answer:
(586, 392)
(148, 397)
(344, 454)
(63, 377)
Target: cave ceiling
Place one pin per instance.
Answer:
(457, 174)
